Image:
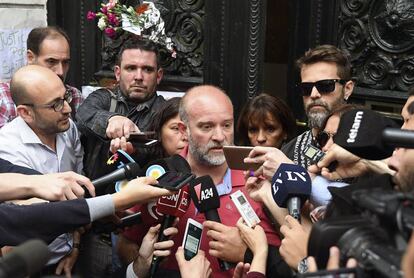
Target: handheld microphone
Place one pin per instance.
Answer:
(172, 207)
(128, 171)
(206, 199)
(398, 138)
(360, 132)
(178, 163)
(291, 187)
(26, 259)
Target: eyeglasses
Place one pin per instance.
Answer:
(57, 105)
(325, 86)
(323, 137)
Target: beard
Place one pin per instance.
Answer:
(201, 152)
(405, 182)
(317, 119)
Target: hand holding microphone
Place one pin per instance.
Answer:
(291, 187)
(205, 197)
(171, 206)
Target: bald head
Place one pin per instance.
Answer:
(29, 81)
(203, 95)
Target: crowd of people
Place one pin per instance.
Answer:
(53, 143)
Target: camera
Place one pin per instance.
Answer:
(376, 237)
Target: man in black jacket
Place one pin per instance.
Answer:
(109, 114)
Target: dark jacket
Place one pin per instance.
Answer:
(92, 120)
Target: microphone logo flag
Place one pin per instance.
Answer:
(155, 171)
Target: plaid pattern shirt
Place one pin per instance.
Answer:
(8, 108)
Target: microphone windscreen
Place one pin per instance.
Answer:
(155, 168)
(178, 164)
(290, 180)
(176, 204)
(360, 132)
(204, 194)
(132, 170)
(26, 259)
(398, 138)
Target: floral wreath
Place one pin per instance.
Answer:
(145, 21)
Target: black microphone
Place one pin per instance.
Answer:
(291, 187)
(398, 138)
(360, 132)
(128, 171)
(206, 199)
(171, 207)
(26, 259)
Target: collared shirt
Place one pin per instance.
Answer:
(21, 146)
(233, 180)
(8, 108)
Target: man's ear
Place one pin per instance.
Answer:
(25, 113)
(117, 72)
(348, 89)
(160, 74)
(31, 57)
(182, 128)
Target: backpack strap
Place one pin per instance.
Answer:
(114, 101)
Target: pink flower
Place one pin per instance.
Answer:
(91, 15)
(110, 32)
(111, 4)
(104, 10)
(113, 20)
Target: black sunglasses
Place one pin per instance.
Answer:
(322, 138)
(325, 86)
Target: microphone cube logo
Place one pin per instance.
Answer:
(206, 194)
(185, 202)
(170, 201)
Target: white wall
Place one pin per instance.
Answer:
(17, 18)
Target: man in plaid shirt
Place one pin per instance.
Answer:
(48, 47)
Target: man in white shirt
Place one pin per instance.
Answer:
(43, 137)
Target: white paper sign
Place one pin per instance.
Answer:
(12, 51)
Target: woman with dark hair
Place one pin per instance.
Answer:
(266, 121)
(165, 124)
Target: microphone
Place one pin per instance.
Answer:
(291, 187)
(26, 259)
(178, 164)
(206, 199)
(398, 138)
(360, 132)
(128, 171)
(172, 207)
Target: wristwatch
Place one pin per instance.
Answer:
(303, 265)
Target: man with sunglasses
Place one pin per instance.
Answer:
(48, 47)
(44, 138)
(326, 83)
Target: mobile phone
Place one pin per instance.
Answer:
(192, 238)
(245, 209)
(172, 180)
(127, 221)
(137, 136)
(142, 139)
(235, 155)
(313, 153)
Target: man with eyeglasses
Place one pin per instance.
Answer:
(326, 83)
(44, 138)
(48, 47)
